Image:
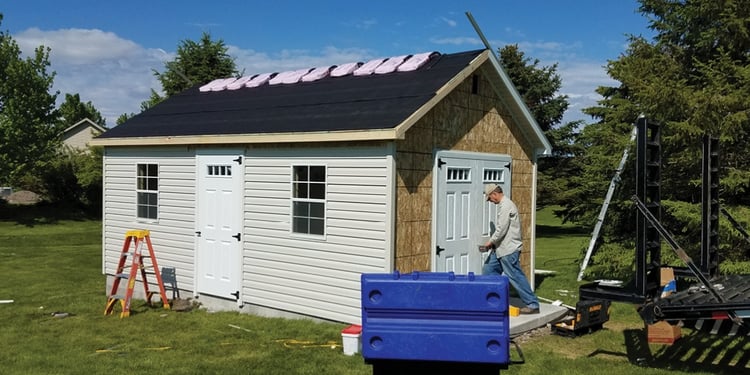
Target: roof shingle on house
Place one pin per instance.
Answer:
(330, 104)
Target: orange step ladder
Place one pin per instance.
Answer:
(135, 239)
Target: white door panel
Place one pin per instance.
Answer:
(464, 219)
(219, 252)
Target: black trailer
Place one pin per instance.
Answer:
(714, 303)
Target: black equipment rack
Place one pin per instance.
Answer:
(721, 299)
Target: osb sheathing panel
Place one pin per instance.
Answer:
(462, 121)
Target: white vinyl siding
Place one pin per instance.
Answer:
(79, 137)
(173, 234)
(307, 275)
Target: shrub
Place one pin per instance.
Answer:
(74, 178)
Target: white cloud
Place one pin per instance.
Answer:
(260, 62)
(365, 24)
(581, 78)
(449, 22)
(114, 74)
(457, 41)
(77, 46)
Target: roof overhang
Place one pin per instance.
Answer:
(342, 136)
(519, 111)
(441, 94)
(507, 93)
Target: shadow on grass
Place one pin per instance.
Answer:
(694, 352)
(554, 231)
(43, 213)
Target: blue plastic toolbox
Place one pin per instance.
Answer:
(435, 316)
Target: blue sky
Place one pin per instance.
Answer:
(106, 51)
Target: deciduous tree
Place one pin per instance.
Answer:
(73, 110)
(28, 130)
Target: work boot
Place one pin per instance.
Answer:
(528, 310)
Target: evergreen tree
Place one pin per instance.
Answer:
(196, 63)
(693, 78)
(539, 88)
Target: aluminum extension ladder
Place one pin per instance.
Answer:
(603, 211)
(134, 239)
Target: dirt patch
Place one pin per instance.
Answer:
(532, 335)
(23, 197)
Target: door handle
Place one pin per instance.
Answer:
(237, 236)
(439, 250)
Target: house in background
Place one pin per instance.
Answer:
(78, 135)
(273, 193)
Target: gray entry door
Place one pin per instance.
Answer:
(464, 219)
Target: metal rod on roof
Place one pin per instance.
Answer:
(479, 32)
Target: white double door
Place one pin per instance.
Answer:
(464, 219)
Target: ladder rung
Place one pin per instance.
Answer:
(138, 253)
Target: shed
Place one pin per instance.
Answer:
(78, 135)
(273, 193)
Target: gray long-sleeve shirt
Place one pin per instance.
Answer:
(507, 237)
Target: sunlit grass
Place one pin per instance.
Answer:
(54, 265)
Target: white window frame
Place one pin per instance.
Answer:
(296, 200)
(487, 175)
(146, 190)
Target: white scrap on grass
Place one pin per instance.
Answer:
(545, 272)
(238, 327)
(6, 301)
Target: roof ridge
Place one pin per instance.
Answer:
(401, 63)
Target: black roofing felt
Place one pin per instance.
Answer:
(377, 101)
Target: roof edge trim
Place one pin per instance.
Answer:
(441, 93)
(96, 126)
(342, 136)
(546, 146)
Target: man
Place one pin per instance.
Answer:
(507, 243)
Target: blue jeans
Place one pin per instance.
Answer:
(510, 266)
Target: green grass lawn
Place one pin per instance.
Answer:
(52, 264)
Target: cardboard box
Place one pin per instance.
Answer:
(667, 275)
(663, 333)
(667, 282)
